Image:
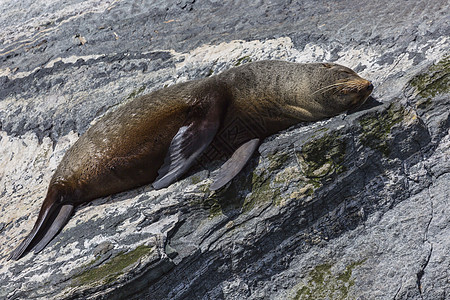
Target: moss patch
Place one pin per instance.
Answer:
(209, 73)
(323, 284)
(243, 60)
(270, 182)
(320, 159)
(220, 202)
(214, 205)
(195, 179)
(111, 270)
(264, 188)
(323, 156)
(376, 129)
(319, 131)
(435, 81)
(136, 92)
(261, 194)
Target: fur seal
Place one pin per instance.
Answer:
(157, 137)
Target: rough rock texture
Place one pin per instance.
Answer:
(355, 207)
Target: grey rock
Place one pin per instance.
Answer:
(354, 207)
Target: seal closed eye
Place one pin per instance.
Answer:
(156, 138)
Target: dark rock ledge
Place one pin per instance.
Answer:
(354, 207)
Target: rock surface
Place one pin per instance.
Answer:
(354, 207)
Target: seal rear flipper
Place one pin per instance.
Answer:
(235, 164)
(62, 216)
(53, 215)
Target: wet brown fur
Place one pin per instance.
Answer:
(126, 148)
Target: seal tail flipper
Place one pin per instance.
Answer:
(191, 140)
(235, 164)
(51, 212)
(62, 216)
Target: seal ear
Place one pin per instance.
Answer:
(52, 218)
(235, 164)
(191, 140)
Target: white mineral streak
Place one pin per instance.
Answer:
(24, 31)
(26, 165)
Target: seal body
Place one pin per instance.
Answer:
(157, 137)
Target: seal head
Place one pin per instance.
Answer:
(341, 88)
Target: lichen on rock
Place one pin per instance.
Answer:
(377, 127)
(110, 271)
(435, 80)
(352, 207)
(322, 283)
(322, 158)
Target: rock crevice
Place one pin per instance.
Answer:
(353, 207)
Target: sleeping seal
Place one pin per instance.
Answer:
(157, 137)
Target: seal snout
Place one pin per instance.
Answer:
(364, 86)
(369, 88)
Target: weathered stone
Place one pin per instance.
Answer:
(354, 207)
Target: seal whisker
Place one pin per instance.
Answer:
(352, 85)
(328, 88)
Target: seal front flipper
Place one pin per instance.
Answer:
(52, 218)
(191, 140)
(235, 164)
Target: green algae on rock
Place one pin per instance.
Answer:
(323, 284)
(243, 60)
(136, 92)
(320, 159)
(111, 270)
(376, 128)
(264, 186)
(435, 80)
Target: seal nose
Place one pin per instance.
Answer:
(370, 86)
